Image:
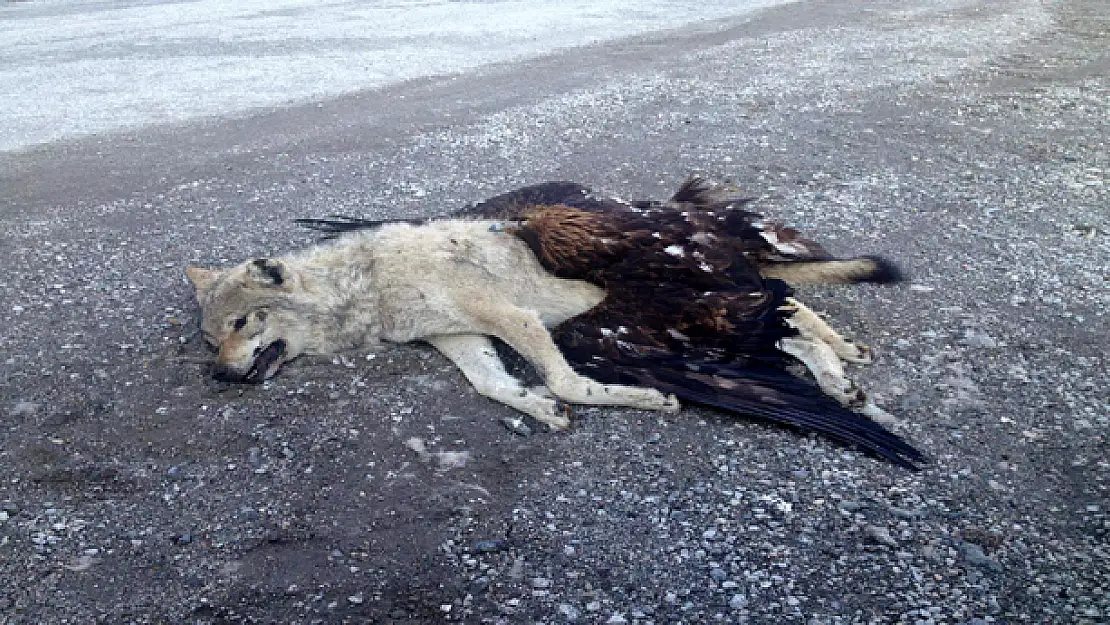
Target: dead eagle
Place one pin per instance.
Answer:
(697, 303)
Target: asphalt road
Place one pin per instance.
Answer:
(92, 67)
(968, 140)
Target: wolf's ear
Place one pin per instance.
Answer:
(201, 278)
(269, 272)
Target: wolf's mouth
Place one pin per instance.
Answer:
(266, 360)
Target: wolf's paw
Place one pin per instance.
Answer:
(880, 416)
(855, 353)
(555, 414)
(672, 404)
(555, 421)
(843, 390)
(654, 400)
(856, 397)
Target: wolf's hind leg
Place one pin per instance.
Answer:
(475, 356)
(825, 366)
(524, 332)
(810, 325)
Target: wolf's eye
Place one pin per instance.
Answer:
(239, 323)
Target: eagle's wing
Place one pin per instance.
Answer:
(509, 206)
(335, 225)
(688, 315)
(780, 243)
(512, 205)
(751, 384)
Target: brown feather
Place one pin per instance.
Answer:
(569, 241)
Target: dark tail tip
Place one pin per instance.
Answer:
(886, 272)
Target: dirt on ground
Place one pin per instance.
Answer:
(967, 140)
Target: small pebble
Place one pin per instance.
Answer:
(880, 535)
(973, 555)
(979, 340)
(516, 425)
(569, 612)
(24, 409)
(490, 546)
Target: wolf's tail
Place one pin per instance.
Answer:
(834, 271)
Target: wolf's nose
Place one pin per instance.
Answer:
(224, 373)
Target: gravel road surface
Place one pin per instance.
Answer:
(967, 139)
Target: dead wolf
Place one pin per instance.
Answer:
(650, 302)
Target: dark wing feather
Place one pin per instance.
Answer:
(747, 386)
(755, 386)
(696, 191)
(335, 225)
(780, 243)
(512, 205)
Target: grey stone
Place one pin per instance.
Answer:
(490, 546)
(974, 555)
(569, 612)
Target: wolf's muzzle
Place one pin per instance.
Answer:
(224, 373)
(259, 370)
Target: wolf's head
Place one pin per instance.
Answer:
(257, 314)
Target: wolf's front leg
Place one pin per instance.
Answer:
(524, 331)
(475, 356)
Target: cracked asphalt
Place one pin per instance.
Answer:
(966, 139)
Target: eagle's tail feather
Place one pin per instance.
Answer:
(699, 192)
(694, 190)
